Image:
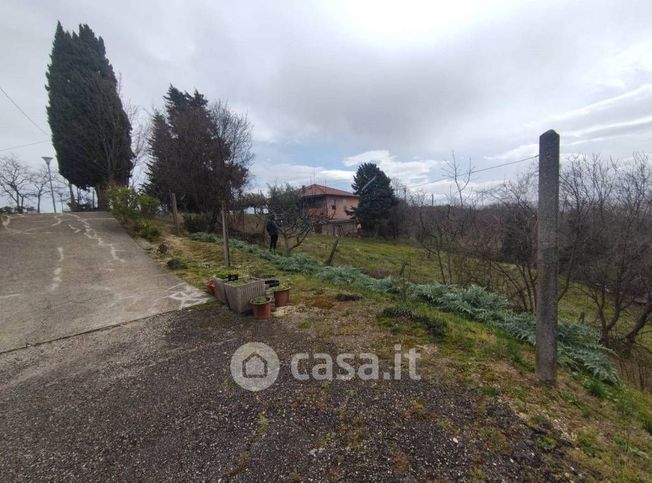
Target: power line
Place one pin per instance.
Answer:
(23, 112)
(25, 145)
(479, 170)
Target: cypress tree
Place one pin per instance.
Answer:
(90, 129)
(376, 196)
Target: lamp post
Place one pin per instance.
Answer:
(47, 160)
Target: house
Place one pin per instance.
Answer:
(333, 206)
(329, 203)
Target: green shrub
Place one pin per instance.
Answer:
(196, 222)
(124, 203)
(147, 230)
(596, 388)
(129, 205)
(149, 205)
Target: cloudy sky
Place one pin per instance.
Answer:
(331, 84)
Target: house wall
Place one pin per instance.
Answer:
(337, 206)
(333, 207)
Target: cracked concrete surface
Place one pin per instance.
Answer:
(63, 274)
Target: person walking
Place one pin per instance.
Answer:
(272, 229)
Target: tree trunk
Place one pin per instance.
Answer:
(73, 205)
(102, 198)
(287, 245)
(225, 236)
(640, 322)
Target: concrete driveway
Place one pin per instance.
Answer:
(64, 274)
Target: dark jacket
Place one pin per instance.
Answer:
(272, 228)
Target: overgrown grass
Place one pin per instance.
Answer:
(578, 345)
(608, 425)
(380, 258)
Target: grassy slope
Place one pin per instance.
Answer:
(603, 426)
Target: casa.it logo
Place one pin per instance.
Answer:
(254, 366)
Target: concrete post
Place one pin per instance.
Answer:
(547, 258)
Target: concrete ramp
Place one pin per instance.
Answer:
(64, 274)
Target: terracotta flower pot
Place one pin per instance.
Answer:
(210, 287)
(281, 297)
(262, 311)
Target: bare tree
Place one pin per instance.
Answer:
(442, 230)
(40, 182)
(515, 250)
(15, 181)
(612, 206)
(140, 132)
(294, 220)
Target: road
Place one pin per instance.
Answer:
(65, 274)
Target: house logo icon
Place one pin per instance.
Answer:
(254, 366)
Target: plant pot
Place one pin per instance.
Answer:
(262, 311)
(210, 287)
(238, 296)
(281, 297)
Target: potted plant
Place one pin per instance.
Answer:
(281, 295)
(262, 307)
(210, 287)
(239, 292)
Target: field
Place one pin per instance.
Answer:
(603, 426)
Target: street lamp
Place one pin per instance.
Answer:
(47, 160)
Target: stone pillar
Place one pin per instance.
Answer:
(547, 258)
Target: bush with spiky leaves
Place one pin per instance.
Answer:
(578, 345)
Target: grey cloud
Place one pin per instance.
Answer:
(486, 84)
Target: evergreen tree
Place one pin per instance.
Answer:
(199, 152)
(90, 129)
(376, 194)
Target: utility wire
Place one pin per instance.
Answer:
(479, 170)
(23, 112)
(25, 145)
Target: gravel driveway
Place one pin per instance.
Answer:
(154, 400)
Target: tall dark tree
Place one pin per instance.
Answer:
(90, 129)
(198, 151)
(376, 194)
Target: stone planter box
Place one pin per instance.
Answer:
(238, 297)
(218, 289)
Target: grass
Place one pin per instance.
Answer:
(380, 258)
(578, 344)
(607, 426)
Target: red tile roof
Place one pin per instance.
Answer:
(321, 190)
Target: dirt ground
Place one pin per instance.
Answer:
(154, 400)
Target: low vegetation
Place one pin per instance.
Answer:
(603, 425)
(135, 210)
(578, 344)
